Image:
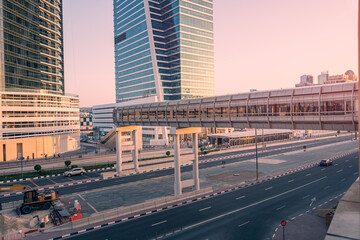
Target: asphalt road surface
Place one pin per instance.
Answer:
(248, 213)
(139, 177)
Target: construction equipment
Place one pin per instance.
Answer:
(33, 199)
(16, 187)
(36, 200)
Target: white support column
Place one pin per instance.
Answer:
(135, 152)
(177, 169)
(118, 152)
(196, 161)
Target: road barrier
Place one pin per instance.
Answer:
(131, 211)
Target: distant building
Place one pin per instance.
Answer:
(103, 122)
(305, 80)
(349, 76)
(323, 77)
(86, 122)
(248, 136)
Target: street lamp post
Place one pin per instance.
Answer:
(359, 70)
(256, 156)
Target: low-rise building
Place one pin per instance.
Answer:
(86, 122)
(248, 136)
(349, 76)
(38, 124)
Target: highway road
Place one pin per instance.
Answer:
(247, 213)
(139, 177)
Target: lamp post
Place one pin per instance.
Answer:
(359, 70)
(256, 156)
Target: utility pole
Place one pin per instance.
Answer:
(256, 155)
(263, 144)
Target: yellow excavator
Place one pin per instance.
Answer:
(33, 199)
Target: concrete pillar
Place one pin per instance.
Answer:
(355, 135)
(135, 152)
(118, 152)
(196, 161)
(177, 169)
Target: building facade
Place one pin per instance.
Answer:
(31, 44)
(37, 119)
(323, 77)
(37, 125)
(305, 80)
(348, 76)
(163, 48)
(86, 121)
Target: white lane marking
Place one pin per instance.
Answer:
(346, 160)
(343, 179)
(280, 208)
(204, 209)
(339, 171)
(350, 166)
(312, 201)
(308, 174)
(306, 196)
(268, 188)
(159, 223)
(239, 197)
(290, 180)
(243, 224)
(323, 169)
(254, 204)
(326, 187)
(91, 206)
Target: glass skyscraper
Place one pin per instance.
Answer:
(163, 48)
(31, 45)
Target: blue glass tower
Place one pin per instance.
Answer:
(163, 48)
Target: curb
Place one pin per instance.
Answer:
(53, 186)
(52, 175)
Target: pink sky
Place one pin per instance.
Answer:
(259, 44)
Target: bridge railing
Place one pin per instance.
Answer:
(327, 107)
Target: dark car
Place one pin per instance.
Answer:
(325, 162)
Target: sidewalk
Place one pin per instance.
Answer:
(306, 225)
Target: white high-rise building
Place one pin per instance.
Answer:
(323, 77)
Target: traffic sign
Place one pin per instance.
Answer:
(283, 223)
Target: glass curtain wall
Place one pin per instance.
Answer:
(33, 45)
(181, 36)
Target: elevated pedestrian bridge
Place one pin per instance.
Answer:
(320, 107)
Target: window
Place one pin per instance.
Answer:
(120, 38)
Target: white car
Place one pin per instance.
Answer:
(74, 171)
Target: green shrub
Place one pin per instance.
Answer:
(67, 163)
(37, 167)
(74, 166)
(167, 153)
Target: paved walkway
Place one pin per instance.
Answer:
(307, 225)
